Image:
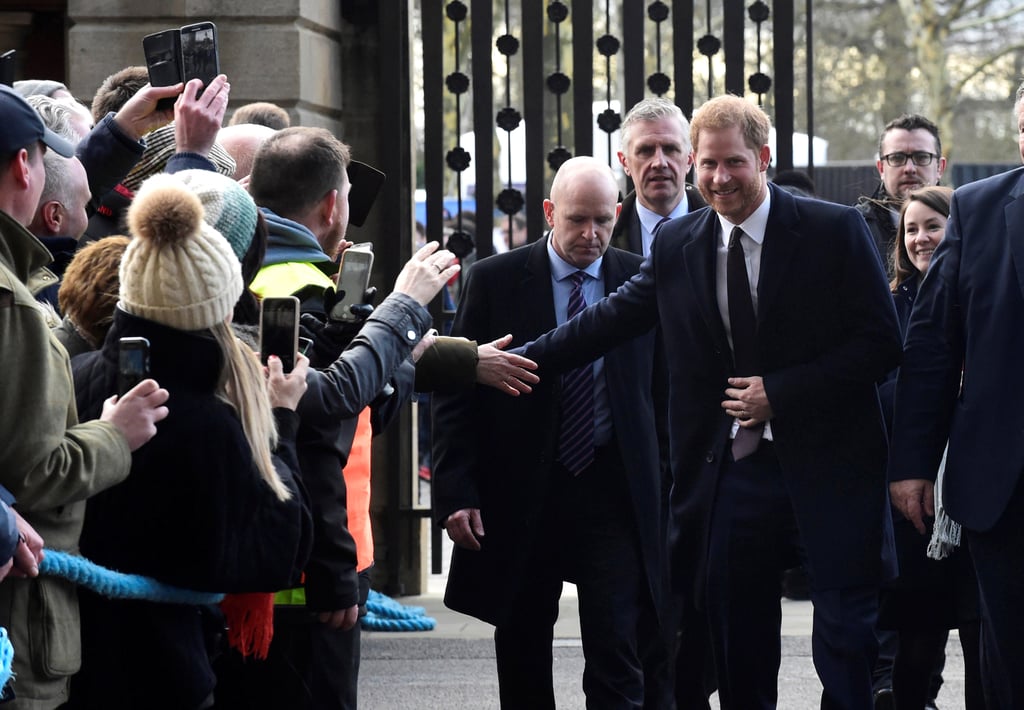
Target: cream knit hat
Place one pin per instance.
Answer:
(178, 270)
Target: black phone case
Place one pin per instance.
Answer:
(279, 328)
(132, 363)
(163, 62)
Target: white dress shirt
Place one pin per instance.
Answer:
(754, 228)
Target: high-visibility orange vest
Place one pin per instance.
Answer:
(357, 482)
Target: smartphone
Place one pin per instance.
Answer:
(279, 330)
(132, 363)
(7, 67)
(353, 279)
(163, 62)
(305, 345)
(178, 55)
(199, 57)
(366, 183)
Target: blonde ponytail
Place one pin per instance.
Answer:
(243, 386)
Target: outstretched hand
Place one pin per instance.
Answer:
(506, 372)
(197, 119)
(426, 273)
(140, 115)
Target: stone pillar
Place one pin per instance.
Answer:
(284, 51)
(375, 75)
(340, 64)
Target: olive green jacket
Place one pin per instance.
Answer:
(49, 461)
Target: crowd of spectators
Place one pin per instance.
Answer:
(706, 393)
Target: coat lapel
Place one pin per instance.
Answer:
(700, 268)
(781, 239)
(537, 298)
(1014, 213)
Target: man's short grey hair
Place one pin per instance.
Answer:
(653, 109)
(1019, 98)
(56, 115)
(58, 180)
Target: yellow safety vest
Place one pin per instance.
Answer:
(279, 280)
(275, 281)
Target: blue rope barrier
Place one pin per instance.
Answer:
(385, 614)
(6, 658)
(117, 584)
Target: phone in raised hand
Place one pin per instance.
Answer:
(279, 330)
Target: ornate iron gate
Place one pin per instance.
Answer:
(565, 57)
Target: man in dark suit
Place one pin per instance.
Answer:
(657, 156)
(563, 484)
(963, 346)
(778, 447)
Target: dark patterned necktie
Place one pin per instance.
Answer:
(657, 227)
(743, 324)
(576, 438)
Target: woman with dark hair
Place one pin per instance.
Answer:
(930, 596)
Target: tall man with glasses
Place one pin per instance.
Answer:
(909, 157)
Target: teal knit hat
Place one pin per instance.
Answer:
(228, 207)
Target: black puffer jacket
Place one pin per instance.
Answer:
(194, 512)
(377, 356)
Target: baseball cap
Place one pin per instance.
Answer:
(23, 126)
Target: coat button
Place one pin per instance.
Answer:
(709, 457)
(410, 334)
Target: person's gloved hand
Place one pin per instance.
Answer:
(331, 338)
(361, 310)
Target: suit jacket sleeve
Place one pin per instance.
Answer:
(454, 452)
(449, 365)
(631, 311)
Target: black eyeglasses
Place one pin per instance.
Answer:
(920, 158)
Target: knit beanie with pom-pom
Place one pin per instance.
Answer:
(178, 270)
(227, 206)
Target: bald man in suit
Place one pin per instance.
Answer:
(529, 504)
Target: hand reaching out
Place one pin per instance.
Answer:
(504, 371)
(426, 273)
(197, 119)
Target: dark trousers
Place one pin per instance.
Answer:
(310, 666)
(753, 539)
(694, 663)
(588, 536)
(997, 555)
